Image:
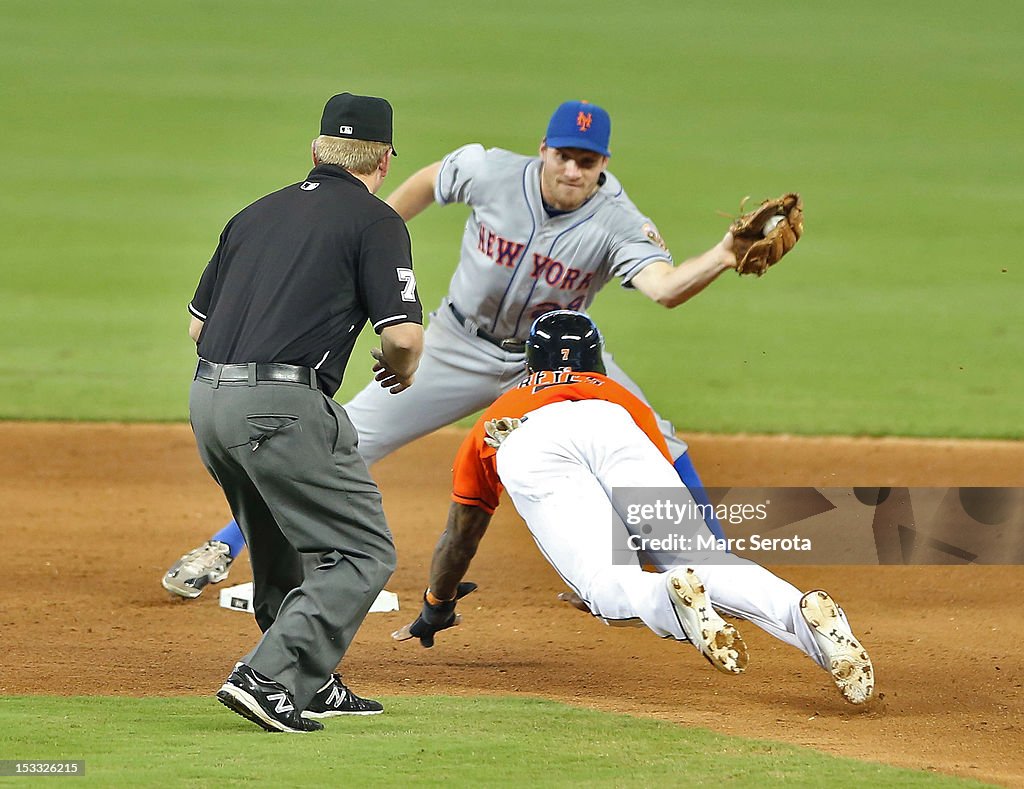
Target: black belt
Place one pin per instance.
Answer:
(508, 344)
(264, 371)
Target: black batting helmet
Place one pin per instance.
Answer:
(562, 340)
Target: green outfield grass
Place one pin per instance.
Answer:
(440, 741)
(134, 131)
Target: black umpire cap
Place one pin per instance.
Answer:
(354, 117)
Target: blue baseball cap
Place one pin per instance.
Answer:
(580, 124)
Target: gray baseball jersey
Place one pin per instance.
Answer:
(517, 262)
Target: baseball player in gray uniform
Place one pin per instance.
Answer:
(544, 232)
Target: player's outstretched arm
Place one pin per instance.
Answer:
(671, 285)
(452, 555)
(415, 193)
(456, 548)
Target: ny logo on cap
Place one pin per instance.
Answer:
(345, 130)
(583, 120)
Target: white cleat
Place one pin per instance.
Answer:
(848, 661)
(197, 569)
(715, 638)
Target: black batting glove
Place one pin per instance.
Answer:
(434, 618)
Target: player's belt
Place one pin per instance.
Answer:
(507, 344)
(253, 373)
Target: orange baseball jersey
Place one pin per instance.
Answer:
(475, 476)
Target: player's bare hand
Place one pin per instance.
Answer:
(574, 600)
(386, 376)
(392, 381)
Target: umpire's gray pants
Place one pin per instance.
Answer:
(285, 456)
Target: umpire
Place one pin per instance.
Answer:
(275, 316)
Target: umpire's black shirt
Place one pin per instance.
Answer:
(298, 273)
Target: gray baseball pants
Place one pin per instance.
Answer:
(285, 456)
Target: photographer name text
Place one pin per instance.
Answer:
(708, 542)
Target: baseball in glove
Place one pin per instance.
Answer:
(761, 237)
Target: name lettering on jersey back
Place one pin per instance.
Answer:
(554, 272)
(548, 378)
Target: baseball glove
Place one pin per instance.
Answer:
(761, 237)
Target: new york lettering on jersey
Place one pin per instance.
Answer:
(519, 262)
(554, 272)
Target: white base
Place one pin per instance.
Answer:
(239, 598)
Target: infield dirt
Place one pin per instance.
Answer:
(94, 514)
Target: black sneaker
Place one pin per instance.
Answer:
(334, 698)
(264, 702)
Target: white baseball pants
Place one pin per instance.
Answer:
(559, 469)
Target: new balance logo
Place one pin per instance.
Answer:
(309, 186)
(336, 697)
(284, 704)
